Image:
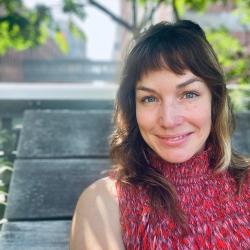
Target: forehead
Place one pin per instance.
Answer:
(165, 81)
(167, 77)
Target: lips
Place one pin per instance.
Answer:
(175, 140)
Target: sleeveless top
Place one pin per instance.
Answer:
(217, 217)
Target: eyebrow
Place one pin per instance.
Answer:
(189, 81)
(179, 86)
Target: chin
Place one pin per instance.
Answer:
(176, 160)
(176, 157)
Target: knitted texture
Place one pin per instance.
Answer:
(217, 217)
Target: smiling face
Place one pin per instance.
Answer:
(173, 113)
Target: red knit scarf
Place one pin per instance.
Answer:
(217, 217)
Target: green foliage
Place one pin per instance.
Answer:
(73, 7)
(12, 5)
(243, 10)
(196, 5)
(61, 41)
(235, 62)
(76, 31)
(181, 7)
(7, 142)
(6, 168)
(230, 52)
(22, 28)
(239, 100)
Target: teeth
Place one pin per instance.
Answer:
(176, 138)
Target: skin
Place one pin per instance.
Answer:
(173, 114)
(95, 224)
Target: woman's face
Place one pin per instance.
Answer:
(173, 113)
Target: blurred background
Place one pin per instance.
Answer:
(59, 54)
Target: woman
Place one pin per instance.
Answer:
(176, 183)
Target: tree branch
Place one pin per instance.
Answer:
(134, 12)
(149, 17)
(112, 15)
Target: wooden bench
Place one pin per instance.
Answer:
(59, 154)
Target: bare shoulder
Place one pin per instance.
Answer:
(104, 186)
(95, 223)
(100, 193)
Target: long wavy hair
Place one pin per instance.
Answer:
(177, 47)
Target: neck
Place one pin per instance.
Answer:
(196, 166)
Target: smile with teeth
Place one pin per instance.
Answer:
(174, 139)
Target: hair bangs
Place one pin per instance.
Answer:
(159, 55)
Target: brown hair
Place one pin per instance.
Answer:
(178, 47)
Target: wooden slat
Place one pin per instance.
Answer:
(64, 133)
(13, 108)
(45, 235)
(47, 189)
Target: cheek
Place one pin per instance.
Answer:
(201, 116)
(145, 119)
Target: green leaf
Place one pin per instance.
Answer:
(198, 5)
(181, 7)
(74, 7)
(76, 31)
(61, 41)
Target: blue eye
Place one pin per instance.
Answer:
(149, 99)
(190, 95)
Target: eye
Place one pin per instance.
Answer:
(190, 95)
(149, 99)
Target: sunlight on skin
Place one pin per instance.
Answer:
(95, 224)
(173, 114)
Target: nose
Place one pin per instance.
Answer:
(171, 114)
